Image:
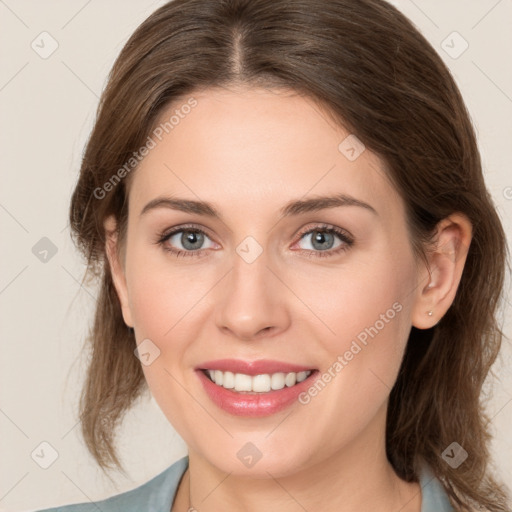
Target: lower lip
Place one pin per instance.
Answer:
(253, 405)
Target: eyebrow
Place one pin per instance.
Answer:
(295, 207)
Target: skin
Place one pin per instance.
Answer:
(249, 151)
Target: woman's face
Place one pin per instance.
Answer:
(259, 284)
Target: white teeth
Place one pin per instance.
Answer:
(258, 383)
(261, 383)
(228, 380)
(242, 382)
(302, 376)
(290, 379)
(277, 381)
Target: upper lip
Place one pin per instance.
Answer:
(252, 367)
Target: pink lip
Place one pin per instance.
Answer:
(252, 404)
(252, 367)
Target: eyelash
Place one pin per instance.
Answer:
(324, 228)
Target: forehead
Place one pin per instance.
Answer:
(251, 149)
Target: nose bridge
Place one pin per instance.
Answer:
(251, 300)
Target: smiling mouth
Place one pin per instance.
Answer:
(255, 384)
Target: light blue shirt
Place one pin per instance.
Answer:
(158, 494)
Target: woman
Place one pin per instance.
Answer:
(285, 205)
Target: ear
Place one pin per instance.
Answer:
(116, 267)
(438, 284)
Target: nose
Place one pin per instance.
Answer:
(252, 302)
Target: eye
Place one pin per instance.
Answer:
(323, 239)
(191, 240)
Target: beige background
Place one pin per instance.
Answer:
(47, 107)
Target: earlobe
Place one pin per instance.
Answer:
(116, 268)
(439, 283)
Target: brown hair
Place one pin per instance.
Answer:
(380, 79)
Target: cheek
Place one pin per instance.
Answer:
(166, 303)
(356, 299)
(161, 292)
(370, 318)
(151, 307)
(369, 321)
(162, 303)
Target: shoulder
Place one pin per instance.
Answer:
(155, 495)
(434, 497)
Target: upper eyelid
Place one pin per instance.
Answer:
(178, 229)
